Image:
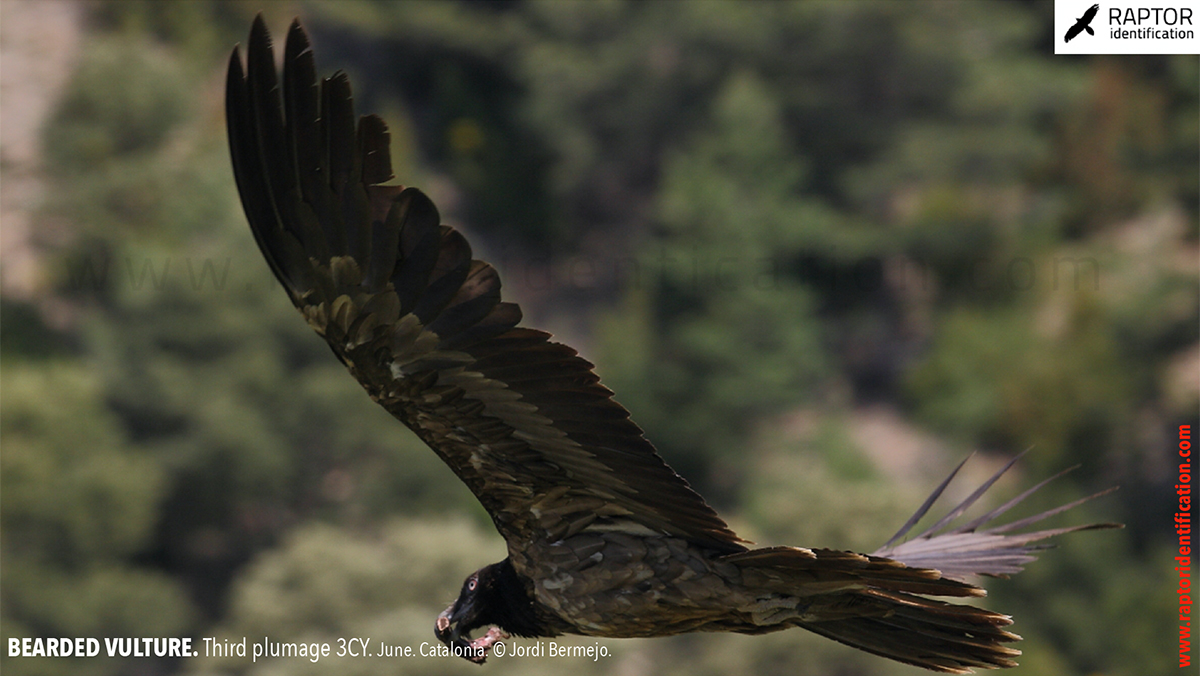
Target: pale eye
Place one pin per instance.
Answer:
(471, 585)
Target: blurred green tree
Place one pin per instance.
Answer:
(79, 502)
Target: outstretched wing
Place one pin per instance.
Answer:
(523, 421)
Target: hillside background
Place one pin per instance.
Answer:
(822, 251)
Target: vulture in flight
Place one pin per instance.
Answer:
(604, 538)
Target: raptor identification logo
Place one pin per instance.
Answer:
(1127, 27)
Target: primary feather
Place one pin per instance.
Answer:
(604, 538)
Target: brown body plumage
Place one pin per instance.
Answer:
(604, 539)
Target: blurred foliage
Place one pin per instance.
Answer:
(78, 500)
(788, 211)
(95, 128)
(1003, 385)
(721, 291)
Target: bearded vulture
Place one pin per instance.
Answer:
(604, 538)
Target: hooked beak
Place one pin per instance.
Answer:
(448, 630)
(447, 626)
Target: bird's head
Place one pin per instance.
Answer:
(481, 602)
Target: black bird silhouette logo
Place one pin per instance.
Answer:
(1083, 23)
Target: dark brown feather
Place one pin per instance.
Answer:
(444, 329)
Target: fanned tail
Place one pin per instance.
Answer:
(874, 604)
(939, 636)
(879, 602)
(967, 549)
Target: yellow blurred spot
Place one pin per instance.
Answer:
(465, 135)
